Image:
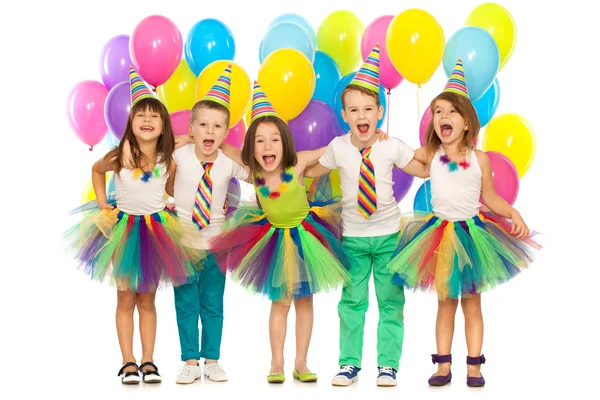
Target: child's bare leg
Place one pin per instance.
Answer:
(147, 312)
(444, 331)
(471, 307)
(304, 325)
(277, 332)
(126, 301)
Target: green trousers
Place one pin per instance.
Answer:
(371, 254)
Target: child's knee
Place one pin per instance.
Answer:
(146, 303)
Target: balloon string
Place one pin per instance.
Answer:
(418, 123)
(388, 112)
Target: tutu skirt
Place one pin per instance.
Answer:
(284, 263)
(133, 252)
(460, 258)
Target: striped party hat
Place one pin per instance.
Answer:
(261, 106)
(368, 75)
(139, 88)
(456, 81)
(220, 92)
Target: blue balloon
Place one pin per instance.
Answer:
(480, 58)
(487, 104)
(300, 20)
(337, 102)
(209, 40)
(287, 35)
(110, 185)
(112, 141)
(423, 199)
(327, 75)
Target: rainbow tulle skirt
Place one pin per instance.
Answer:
(133, 252)
(284, 263)
(460, 258)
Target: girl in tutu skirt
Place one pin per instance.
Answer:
(287, 248)
(459, 251)
(133, 241)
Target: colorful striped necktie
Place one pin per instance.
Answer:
(367, 199)
(201, 212)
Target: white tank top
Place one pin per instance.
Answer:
(136, 197)
(455, 194)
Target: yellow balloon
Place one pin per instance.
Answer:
(241, 89)
(513, 136)
(499, 23)
(179, 92)
(415, 43)
(88, 193)
(339, 36)
(248, 116)
(288, 79)
(334, 183)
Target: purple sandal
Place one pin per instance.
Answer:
(440, 380)
(473, 381)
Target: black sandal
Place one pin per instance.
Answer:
(129, 377)
(150, 375)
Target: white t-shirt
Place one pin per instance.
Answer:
(342, 154)
(138, 197)
(189, 172)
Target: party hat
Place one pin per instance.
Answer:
(261, 106)
(456, 81)
(139, 88)
(220, 92)
(368, 75)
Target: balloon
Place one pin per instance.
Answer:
(327, 75)
(513, 136)
(315, 127)
(422, 200)
(375, 33)
(287, 35)
(339, 36)
(117, 107)
(233, 195)
(337, 102)
(402, 183)
(248, 116)
(480, 58)
(89, 194)
(155, 49)
(207, 41)
(506, 177)
(500, 24)
(179, 91)
(112, 141)
(288, 79)
(487, 104)
(85, 111)
(425, 121)
(236, 135)
(115, 61)
(241, 90)
(180, 121)
(334, 182)
(415, 45)
(300, 20)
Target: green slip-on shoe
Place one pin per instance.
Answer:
(305, 376)
(277, 377)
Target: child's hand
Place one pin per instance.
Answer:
(126, 158)
(381, 135)
(105, 206)
(519, 228)
(182, 140)
(225, 207)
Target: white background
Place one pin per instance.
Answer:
(57, 327)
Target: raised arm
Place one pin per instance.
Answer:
(236, 155)
(496, 203)
(307, 159)
(99, 170)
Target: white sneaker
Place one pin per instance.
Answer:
(386, 376)
(215, 372)
(188, 374)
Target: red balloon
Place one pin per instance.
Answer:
(506, 177)
(180, 121)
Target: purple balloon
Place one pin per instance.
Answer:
(233, 195)
(115, 61)
(402, 183)
(315, 127)
(116, 108)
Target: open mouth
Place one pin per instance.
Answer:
(446, 130)
(146, 128)
(363, 128)
(269, 159)
(208, 143)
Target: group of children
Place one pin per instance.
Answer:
(294, 241)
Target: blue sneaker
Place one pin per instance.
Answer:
(347, 376)
(386, 377)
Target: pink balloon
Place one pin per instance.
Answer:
(85, 111)
(506, 177)
(375, 32)
(236, 135)
(425, 121)
(155, 47)
(180, 121)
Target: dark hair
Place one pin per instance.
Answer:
(287, 141)
(210, 105)
(361, 89)
(166, 141)
(466, 110)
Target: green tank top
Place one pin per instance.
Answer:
(290, 208)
